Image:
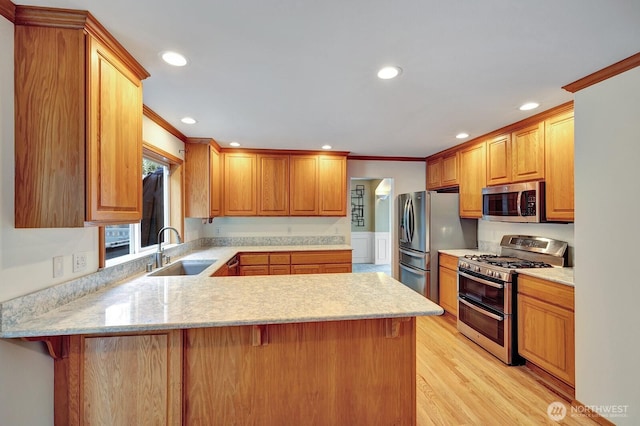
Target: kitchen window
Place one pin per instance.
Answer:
(161, 187)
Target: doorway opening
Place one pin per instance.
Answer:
(371, 224)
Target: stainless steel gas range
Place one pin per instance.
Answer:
(487, 288)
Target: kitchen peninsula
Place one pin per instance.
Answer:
(293, 349)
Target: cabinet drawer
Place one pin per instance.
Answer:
(279, 259)
(320, 257)
(254, 259)
(279, 270)
(547, 291)
(448, 261)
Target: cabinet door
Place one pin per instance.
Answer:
(559, 153)
(434, 173)
(450, 169)
(273, 185)
(528, 153)
(215, 182)
(303, 196)
(546, 337)
(114, 146)
(279, 270)
(121, 380)
(240, 184)
(196, 163)
(473, 175)
(336, 268)
(306, 269)
(332, 177)
(448, 290)
(254, 270)
(499, 160)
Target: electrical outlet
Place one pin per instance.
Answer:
(79, 262)
(58, 266)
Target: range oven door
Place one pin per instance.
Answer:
(491, 330)
(485, 313)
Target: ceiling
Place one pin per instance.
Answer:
(295, 74)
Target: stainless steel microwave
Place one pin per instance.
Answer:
(517, 202)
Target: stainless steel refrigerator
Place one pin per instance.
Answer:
(429, 221)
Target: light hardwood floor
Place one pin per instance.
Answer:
(459, 383)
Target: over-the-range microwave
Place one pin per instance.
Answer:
(517, 202)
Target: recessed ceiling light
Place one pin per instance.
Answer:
(326, 146)
(462, 135)
(188, 120)
(389, 72)
(175, 59)
(529, 105)
(234, 144)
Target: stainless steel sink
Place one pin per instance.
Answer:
(183, 267)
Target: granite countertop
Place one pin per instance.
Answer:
(158, 303)
(557, 275)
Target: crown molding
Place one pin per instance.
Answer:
(153, 116)
(376, 158)
(8, 10)
(604, 74)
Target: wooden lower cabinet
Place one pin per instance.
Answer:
(448, 283)
(324, 373)
(546, 335)
(120, 380)
(297, 262)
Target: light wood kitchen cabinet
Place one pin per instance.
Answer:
(473, 177)
(448, 283)
(203, 176)
(240, 184)
(499, 164)
(332, 188)
(120, 379)
(546, 335)
(296, 262)
(78, 132)
(304, 185)
(559, 167)
(528, 153)
(442, 171)
(273, 184)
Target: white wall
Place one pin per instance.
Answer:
(408, 176)
(26, 373)
(607, 230)
(26, 265)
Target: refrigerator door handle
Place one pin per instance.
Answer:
(405, 233)
(410, 220)
(413, 254)
(413, 270)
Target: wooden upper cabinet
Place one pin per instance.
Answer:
(240, 191)
(303, 197)
(332, 175)
(273, 184)
(528, 153)
(443, 170)
(434, 172)
(559, 167)
(499, 165)
(78, 129)
(473, 175)
(203, 186)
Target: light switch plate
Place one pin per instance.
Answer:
(58, 266)
(79, 262)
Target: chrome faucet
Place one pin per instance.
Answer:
(160, 252)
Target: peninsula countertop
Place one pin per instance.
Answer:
(177, 302)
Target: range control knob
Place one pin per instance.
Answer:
(477, 269)
(490, 273)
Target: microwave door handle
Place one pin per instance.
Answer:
(520, 195)
(482, 311)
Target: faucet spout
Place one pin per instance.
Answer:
(160, 253)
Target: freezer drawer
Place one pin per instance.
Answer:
(415, 279)
(417, 259)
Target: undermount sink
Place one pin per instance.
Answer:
(183, 267)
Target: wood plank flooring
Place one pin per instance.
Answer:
(459, 383)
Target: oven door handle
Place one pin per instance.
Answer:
(480, 280)
(482, 311)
